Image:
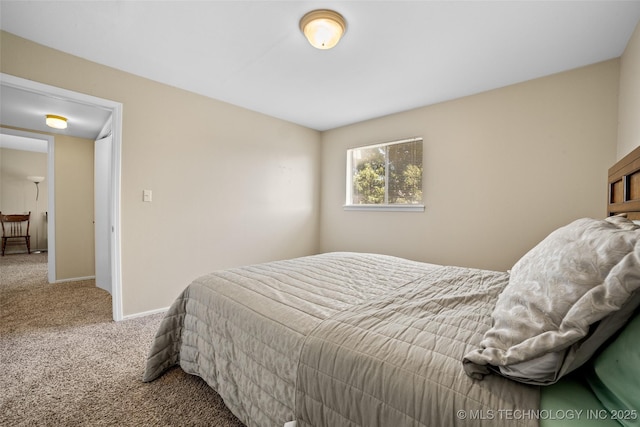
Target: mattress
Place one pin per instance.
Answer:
(342, 339)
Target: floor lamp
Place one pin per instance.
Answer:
(37, 180)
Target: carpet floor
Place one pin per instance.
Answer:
(65, 362)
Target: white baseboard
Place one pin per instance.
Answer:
(75, 279)
(145, 313)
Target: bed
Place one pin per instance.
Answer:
(357, 339)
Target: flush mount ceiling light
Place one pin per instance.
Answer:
(57, 122)
(323, 28)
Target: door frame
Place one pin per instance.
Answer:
(116, 176)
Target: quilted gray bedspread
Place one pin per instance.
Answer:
(342, 339)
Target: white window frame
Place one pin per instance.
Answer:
(396, 207)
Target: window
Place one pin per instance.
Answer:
(385, 176)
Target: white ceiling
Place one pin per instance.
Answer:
(17, 142)
(396, 55)
(26, 110)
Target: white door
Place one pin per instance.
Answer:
(102, 215)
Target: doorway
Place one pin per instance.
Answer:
(33, 145)
(113, 252)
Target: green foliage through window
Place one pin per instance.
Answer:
(389, 174)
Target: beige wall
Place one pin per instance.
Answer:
(629, 102)
(501, 170)
(230, 186)
(18, 194)
(75, 251)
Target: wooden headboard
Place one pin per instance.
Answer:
(624, 186)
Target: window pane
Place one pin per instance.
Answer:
(405, 173)
(388, 174)
(368, 175)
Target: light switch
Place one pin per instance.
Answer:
(146, 195)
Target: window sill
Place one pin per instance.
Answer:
(385, 208)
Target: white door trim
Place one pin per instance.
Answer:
(116, 130)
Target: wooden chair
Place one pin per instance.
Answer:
(15, 226)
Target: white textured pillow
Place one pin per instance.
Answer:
(565, 297)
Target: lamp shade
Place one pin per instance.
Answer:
(323, 28)
(36, 179)
(56, 122)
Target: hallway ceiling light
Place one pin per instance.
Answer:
(56, 122)
(323, 28)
